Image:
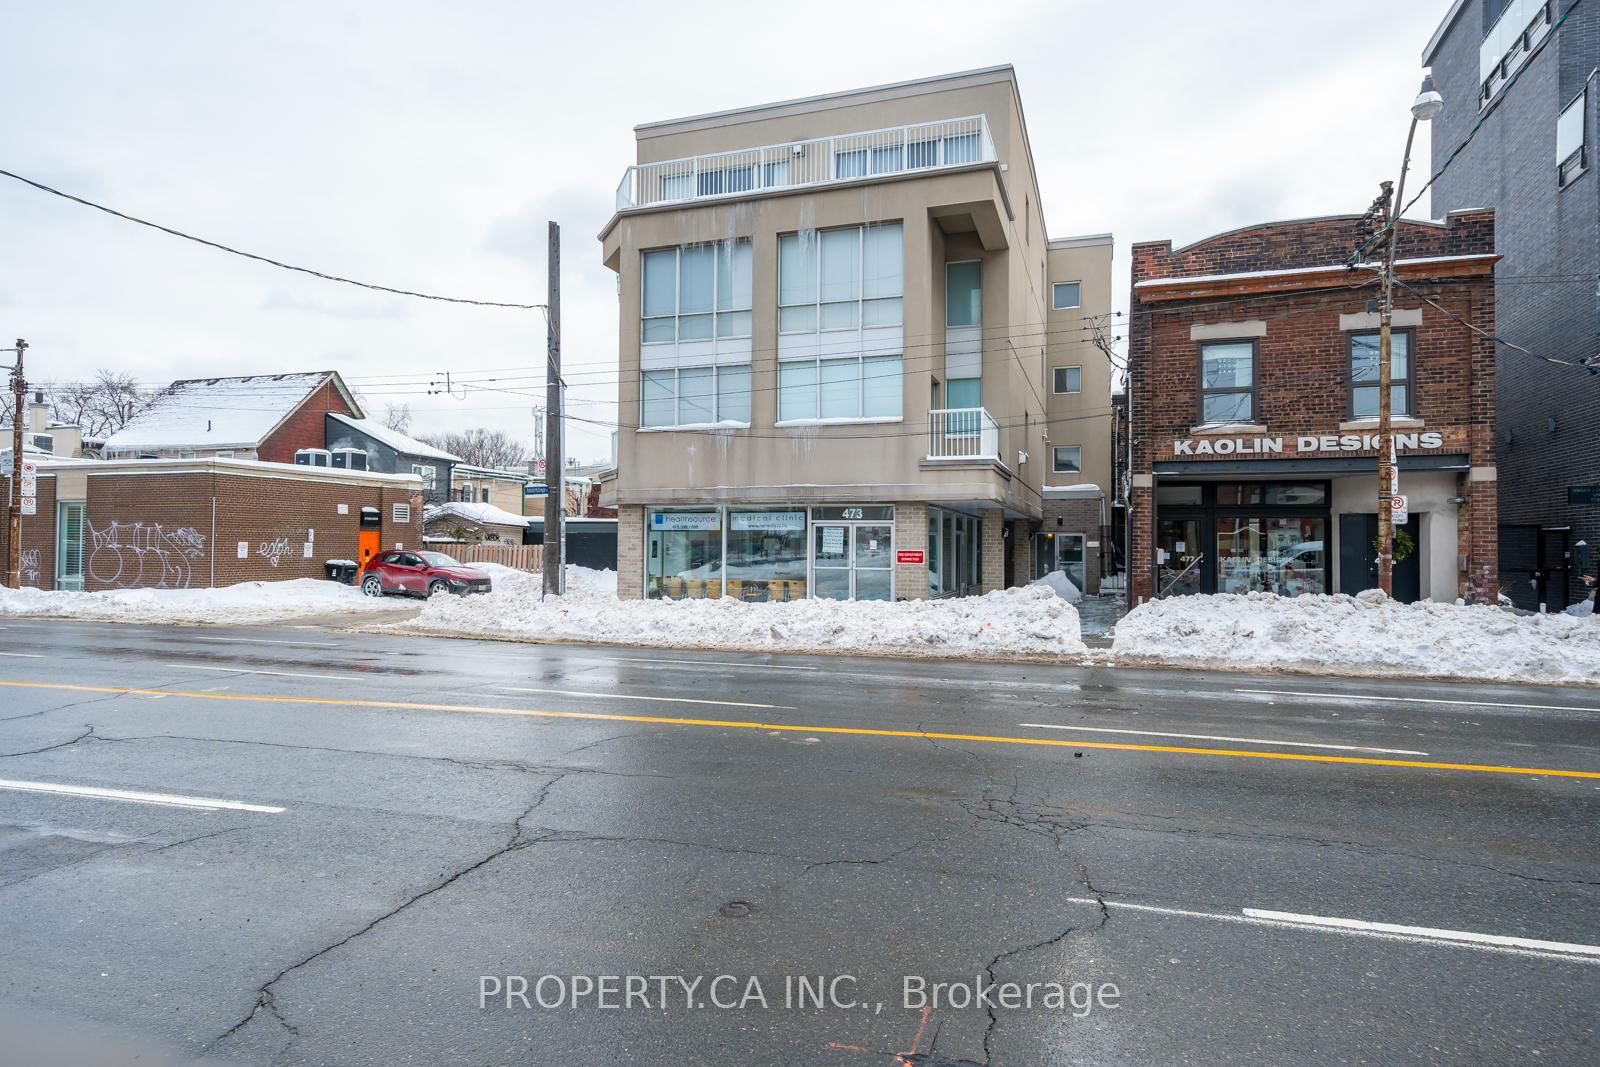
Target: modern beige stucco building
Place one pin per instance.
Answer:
(852, 363)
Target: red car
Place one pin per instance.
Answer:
(420, 574)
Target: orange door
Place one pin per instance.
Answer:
(368, 542)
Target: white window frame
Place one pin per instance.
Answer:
(428, 473)
(677, 422)
(861, 390)
(717, 282)
(1056, 305)
(1055, 465)
(861, 299)
(1576, 113)
(1054, 371)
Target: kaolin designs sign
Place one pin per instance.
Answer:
(1269, 446)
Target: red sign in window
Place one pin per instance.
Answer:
(914, 555)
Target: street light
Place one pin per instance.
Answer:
(1425, 108)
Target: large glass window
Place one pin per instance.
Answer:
(695, 396)
(1364, 365)
(855, 387)
(1570, 160)
(1227, 381)
(766, 555)
(69, 545)
(696, 292)
(1066, 295)
(841, 279)
(963, 293)
(683, 556)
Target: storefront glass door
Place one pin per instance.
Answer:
(1182, 561)
(852, 561)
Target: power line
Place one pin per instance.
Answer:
(264, 259)
(1584, 364)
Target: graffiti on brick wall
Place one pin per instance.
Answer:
(144, 555)
(30, 566)
(274, 551)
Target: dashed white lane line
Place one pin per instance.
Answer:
(251, 670)
(131, 796)
(1418, 700)
(711, 663)
(1216, 737)
(1418, 935)
(659, 700)
(23, 655)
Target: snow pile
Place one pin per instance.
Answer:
(1060, 584)
(246, 604)
(1367, 634)
(1013, 622)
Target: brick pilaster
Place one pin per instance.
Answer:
(992, 564)
(630, 552)
(911, 534)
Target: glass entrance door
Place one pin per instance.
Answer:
(873, 562)
(852, 561)
(1182, 560)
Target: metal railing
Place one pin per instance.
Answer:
(818, 161)
(962, 433)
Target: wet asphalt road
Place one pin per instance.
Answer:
(416, 827)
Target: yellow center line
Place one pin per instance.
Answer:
(859, 731)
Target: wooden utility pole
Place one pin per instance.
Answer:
(19, 389)
(1385, 377)
(553, 461)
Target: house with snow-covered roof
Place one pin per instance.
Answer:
(366, 444)
(267, 417)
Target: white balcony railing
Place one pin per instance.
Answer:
(818, 161)
(962, 433)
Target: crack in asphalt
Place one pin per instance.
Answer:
(471, 764)
(266, 998)
(87, 735)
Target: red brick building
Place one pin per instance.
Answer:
(1253, 394)
(198, 523)
(268, 417)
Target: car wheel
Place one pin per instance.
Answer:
(438, 586)
(372, 585)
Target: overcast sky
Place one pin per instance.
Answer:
(423, 146)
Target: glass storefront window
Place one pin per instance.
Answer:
(1234, 495)
(766, 555)
(1297, 560)
(1296, 495)
(1240, 562)
(1179, 495)
(683, 554)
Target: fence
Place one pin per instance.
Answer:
(519, 557)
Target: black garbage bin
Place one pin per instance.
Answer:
(342, 570)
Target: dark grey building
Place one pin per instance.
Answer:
(1525, 69)
(368, 445)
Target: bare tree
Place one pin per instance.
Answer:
(397, 416)
(100, 407)
(482, 448)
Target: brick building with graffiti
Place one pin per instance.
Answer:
(205, 522)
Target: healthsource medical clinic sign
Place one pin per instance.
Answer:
(1270, 446)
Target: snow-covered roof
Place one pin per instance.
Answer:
(1078, 489)
(483, 514)
(394, 438)
(219, 412)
